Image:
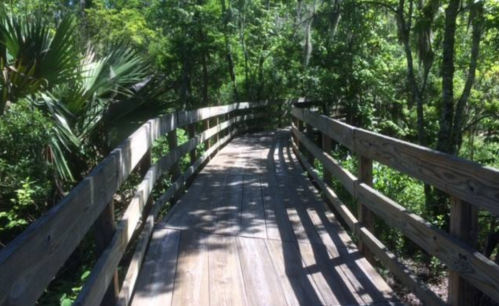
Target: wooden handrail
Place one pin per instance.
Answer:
(463, 179)
(470, 181)
(30, 262)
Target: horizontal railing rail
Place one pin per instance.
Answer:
(30, 262)
(470, 185)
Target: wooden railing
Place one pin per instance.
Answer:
(470, 185)
(31, 261)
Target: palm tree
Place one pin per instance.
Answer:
(81, 93)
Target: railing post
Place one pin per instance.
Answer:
(217, 122)
(280, 115)
(365, 216)
(192, 154)
(310, 135)
(296, 122)
(104, 229)
(173, 144)
(206, 126)
(144, 165)
(230, 117)
(464, 226)
(301, 128)
(192, 134)
(327, 146)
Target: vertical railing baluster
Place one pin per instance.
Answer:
(310, 135)
(192, 134)
(301, 128)
(144, 165)
(104, 229)
(217, 122)
(207, 143)
(464, 226)
(365, 216)
(326, 147)
(173, 144)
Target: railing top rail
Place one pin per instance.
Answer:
(464, 179)
(467, 182)
(51, 239)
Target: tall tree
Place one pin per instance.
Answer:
(451, 120)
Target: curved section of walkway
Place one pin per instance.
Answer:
(252, 230)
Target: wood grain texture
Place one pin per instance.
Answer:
(226, 280)
(469, 263)
(464, 226)
(298, 286)
(364, 215)
(260, 278)
(323, 270)
(192, 277)
(472, 182)
(327, 146)
(347, 179)
(229, 216)
(93, 289)
(50, 240)
(380, 251)
(252, 213)
(464, 179)
(341, 132)
(155, 285)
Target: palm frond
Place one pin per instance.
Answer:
(32, 58)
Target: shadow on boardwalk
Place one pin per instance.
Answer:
(252, 230)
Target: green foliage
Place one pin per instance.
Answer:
(79, 76)
(25, 174)
(32, 57)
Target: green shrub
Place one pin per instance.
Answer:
(25, 173)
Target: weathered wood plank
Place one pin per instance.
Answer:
(342, 133)
(252, 214)
(259, 273)
(327, 146)
(92, 291)
(391, 152)
(192, 277)
(364, 215)
(364, 280)
(380, 251)
(132, 274)
(135, 267)
(464, 179)
(469, 263)
(104, 230)
(156, 281)
(226, 279)
(229, 217)
(278, 224)
(347, 179)
(185, 118)
(298, 286)
(334, 288)
(472, 182)
(51, 239)
(464, 226)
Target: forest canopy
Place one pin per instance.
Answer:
(78, 76)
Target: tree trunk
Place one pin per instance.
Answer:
(476, 19)
(204, 64)
(444, 143)
(228, 50)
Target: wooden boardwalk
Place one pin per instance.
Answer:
(252, 230)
